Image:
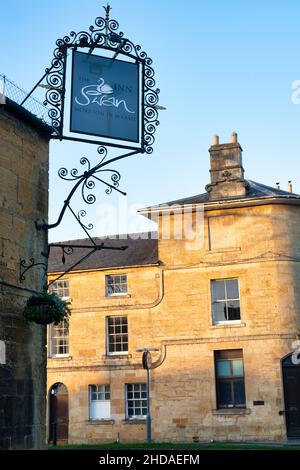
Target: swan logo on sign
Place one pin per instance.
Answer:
(105, 97)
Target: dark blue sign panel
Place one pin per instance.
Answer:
(105, 97)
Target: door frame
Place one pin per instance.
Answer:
(52, 434)
(293, 366)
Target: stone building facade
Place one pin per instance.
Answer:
(23, 200)
(220, 302)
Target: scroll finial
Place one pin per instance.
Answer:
(107, 9)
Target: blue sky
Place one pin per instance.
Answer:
(222, 66)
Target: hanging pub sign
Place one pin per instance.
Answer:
(100, 88)
(105, 97)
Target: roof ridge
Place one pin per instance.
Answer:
(116, 236)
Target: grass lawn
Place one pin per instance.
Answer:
(172, 446)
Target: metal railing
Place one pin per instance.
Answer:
(9, 89)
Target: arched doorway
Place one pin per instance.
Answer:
(58, 413)
(291, 386)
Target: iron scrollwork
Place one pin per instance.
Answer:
(87, 180)
(25, 266)
(102, 36)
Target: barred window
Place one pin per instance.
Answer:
(115, 285)
(136, 401)
(61, 288)
(99, 402)
(117, 335)
(225, 300)
(59, 338)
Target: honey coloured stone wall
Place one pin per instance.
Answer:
(169, 307)
(23, 200)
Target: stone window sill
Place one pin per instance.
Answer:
(117, 356)
(100, 421)
(224, 250)
(118, 296)
(229, 325)
(60, 358)
(134, 421)
(232, 411)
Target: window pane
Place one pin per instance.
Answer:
(218, 290)
(232, 289)
(59, 338)
(219, 311)
(223, 368)
(233, 308)
(136, 407)
(116, 284)
(100, 392)
(224, 393)
(61, 288)
(117, 334)
(237, 367)
(239, 392)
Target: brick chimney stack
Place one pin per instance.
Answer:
(226, 169)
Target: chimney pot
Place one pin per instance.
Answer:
(277, 185)
(234, 138)
(290, 187)
(215, 140)
(226, 170)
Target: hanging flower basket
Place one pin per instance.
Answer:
(46, 308)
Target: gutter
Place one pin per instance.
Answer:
(220, 205)
(108, 268)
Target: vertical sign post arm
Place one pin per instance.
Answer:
(63, 92)
(148, 417)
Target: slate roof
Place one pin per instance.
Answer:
(255, 190)
(142, 247)
(142, 251)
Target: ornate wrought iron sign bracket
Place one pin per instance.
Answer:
(24, 267)
(123, 117)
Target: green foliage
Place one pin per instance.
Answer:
(223, 446)
(45, 308)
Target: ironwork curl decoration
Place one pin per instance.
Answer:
(82, 213)
(88, 176)
(25, 266)
(66, 250)
(103, 35)
(87, 181)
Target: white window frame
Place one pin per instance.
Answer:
(101, 389)
(115, 294)
(55, 287)
(225, 322)
(142, 416)
(53, 354)
(115, 353)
